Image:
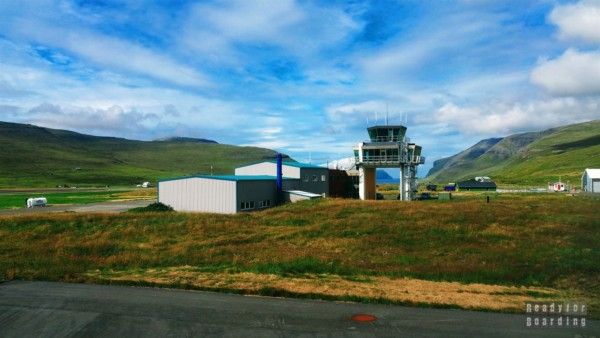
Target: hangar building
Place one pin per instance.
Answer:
(253, 187)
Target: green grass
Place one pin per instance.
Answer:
(40, 157)
(530, 240)
(17, 200)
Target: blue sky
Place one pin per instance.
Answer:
(302, 77)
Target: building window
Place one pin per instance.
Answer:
(323, 178)
(315, 178)
(264, 204)
(305, 178)
(247, 205)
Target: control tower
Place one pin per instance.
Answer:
(388, 148)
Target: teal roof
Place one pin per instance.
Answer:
(242, 177)
(300, 165)
(235, 178)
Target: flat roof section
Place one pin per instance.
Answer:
(235, 178)
(298, 164)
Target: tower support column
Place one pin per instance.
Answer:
(366, 183)
(404, 183)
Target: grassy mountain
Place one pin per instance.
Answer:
(38, 157)
(533, 158)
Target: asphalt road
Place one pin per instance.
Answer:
(44, 309)
(110, 206)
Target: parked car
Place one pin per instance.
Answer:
(425, 196)
(450, 188)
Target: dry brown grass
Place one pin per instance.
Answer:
(398, 290)
(145, 193)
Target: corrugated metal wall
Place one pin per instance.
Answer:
(292, 184)
(199, 195)
(268, 168)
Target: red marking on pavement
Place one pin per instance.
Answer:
(364, 318)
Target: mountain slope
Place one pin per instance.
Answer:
(533, 158)
(35, 156)
(447, 166)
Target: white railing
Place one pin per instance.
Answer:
(380, 159)
(387, 139)
(390, 159)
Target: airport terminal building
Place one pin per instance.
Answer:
(253, 187)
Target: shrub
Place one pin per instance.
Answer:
(154, 207)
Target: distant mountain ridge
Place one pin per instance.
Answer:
(32, 156)
(531, 158)
(463, 157)
(382, 175)
(186, 139)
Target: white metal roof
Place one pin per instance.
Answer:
(303, 193)
(593, 173)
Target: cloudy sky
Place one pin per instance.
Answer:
(302, 77)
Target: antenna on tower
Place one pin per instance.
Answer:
(376, 117)
(387, 113)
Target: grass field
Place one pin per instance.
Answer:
(463, 252)
(31, 156)
(17, 200)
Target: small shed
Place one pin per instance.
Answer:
(557, 186)
(474, 185)
(590, 180)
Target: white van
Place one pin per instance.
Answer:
(37, 202)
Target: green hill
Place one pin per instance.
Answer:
(32, 156)
(526, 159)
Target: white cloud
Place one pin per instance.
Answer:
(506, 118)
(428, 43)
(573, 73)
(358, 114)
(580, 20)
(109, 121)
(109, 52)
(301, 29)
(79, 104)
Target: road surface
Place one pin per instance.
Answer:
(44, 309)
(110, 206)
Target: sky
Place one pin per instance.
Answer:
(302, 77)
